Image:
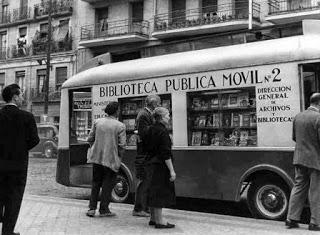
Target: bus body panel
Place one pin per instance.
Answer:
(200, 174)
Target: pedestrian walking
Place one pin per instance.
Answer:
(159, 169)
(306, 159)
(143, 121)
(107, 139)
(18, 134)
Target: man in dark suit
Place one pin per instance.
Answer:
(306, 159)
(143, 121)
(18, 134)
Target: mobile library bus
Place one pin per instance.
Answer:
(232, 109)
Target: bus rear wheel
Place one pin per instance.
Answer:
(120, 192)
(268, 199)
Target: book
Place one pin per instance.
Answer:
(131, 140)
(244, 136)
(233, 100)
(217, 139)
(196, 103)
(204, 105)
(224, 100)
(205, 139)
(129, 123)
(125, 109)
(245, 119)
(202, 121)
(209, 122)
(132, 108)
(196, 138)
(216, 120)
(166, 104)
(252, 139)
(196, 121)
(226, 120)
(235, 119)
(243, 99)
(253, 120)
(214, 102)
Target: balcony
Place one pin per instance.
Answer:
(59, 7)
(114, 32)
(290, 11)
(212, 19)
(15, 15)
(40, 47)
(19, 52)
(37, 95)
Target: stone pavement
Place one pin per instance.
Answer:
(50, 215)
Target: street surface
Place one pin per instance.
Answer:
(41, 215)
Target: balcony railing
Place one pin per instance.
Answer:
(58, 7)
(15, 15)
(205, 16)
(40, 47)
(287, 6)
(114, 29)
(37, 95)
(17, 52)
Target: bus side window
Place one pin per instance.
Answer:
(310, 81)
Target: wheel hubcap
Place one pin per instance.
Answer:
(120, 190)
(271, 201)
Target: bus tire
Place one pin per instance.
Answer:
(268, 199)
(121, 190)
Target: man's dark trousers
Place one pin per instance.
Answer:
(307, 181)
(12, 187)
(105, 178)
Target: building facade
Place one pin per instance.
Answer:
(87, 33)
(23, 50)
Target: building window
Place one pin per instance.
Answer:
(22, 41)
(209, 7)
(137, 11)
(61, 76)
(2, 82)
(102, 19)
(178, 8)
(44, 30)
(4, 14)
(20, 79)
(41, 76)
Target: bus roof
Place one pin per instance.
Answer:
(297, 48)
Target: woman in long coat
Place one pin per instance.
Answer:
(159, 169)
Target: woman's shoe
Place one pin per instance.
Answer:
(151, 223)
(168, 225)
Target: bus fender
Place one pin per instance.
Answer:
(264, 167)
(125, 170)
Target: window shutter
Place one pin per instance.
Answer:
(2, 78)
(61, 75)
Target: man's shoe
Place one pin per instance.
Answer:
(314, 227)
(161, 226)
(91, 213)
(140, 213)
(151, 223)
(292, 224)
(107, 214)
(12, 233)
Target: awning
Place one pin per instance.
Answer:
(61, 32)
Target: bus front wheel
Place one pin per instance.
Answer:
(120, 192)
(268, 199)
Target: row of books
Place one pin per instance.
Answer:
(236, 138)
(133, 108)
(232, 100)
(233, 119)
(129, 123)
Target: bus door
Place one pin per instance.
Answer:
(80, 117)
(311, 81)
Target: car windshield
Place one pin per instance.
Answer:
(45, 132)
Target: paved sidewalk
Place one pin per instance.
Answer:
(49, 215)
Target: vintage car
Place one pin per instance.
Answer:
(48, 145)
